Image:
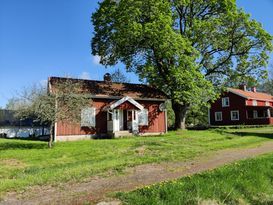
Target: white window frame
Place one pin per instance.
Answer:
(143, 114)
(255, 116)
(254, 103)
(215, 116)
(88, 117)
(231, 115)
(224, 100)
(109, 116)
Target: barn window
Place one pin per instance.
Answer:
(88, 117)
(218, 116)
(234, 115)
(225, 102)
(143, 117)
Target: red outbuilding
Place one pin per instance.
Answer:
(242, 107)
(116, 109)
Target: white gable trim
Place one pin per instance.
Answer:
(123, 100)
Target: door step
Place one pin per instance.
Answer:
(122, 134)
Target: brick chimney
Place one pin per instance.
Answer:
(107, 78)
(243, 87)
(254, 89)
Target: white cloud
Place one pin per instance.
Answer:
(85, 75)
(96, 60)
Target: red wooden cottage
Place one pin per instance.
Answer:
(242, 107)
(117, 109)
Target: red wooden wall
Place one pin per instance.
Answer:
(157, 120)
(242, 105)
(235, 103)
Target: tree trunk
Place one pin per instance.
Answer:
(180, 112)
(51, 136)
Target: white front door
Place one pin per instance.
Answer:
(117, 120)
(121, 127)
(135, 121)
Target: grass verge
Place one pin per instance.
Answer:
(27, 163)
(244, 182)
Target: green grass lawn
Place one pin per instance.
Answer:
(242, 183)
(28, 163)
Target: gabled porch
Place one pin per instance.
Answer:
(123, 117)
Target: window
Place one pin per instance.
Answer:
(129, 115)
(234, 115)
(225, 102)
(255, 114)
(109, 116)
(143, 117)
(266, 113)
(254, 103)
(218, 116)
(88, 117)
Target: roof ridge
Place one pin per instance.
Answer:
(99, 81)
(251, 95)
(251, 91)
(115, 89)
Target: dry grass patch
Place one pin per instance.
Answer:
(12, 163)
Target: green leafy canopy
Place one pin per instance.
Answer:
(182, 47)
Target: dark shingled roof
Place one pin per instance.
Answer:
(105, 89)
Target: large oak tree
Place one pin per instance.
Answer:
(182, 47)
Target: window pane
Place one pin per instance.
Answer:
(88, 117)
(143, 117)
(129, 115)
(234, 115)
(225, 102)
(218, 116)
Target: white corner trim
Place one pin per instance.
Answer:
(55, 132)
(123, 100)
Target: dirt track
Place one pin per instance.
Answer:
(96, 189)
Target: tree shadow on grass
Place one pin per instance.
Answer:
(21, 145)
(245, 133)
(253, 134)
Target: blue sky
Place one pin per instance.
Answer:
(41, 38)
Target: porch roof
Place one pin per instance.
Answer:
(118, 103)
